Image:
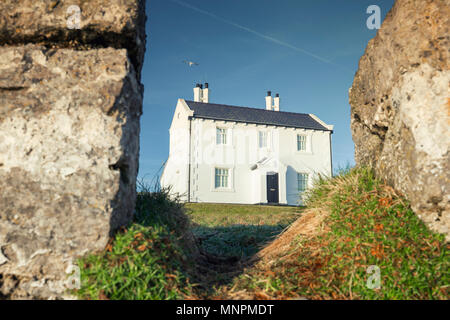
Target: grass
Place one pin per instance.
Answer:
(367, 224)
(352, 222)
(229, 230)
(155, 256)
(147, 260)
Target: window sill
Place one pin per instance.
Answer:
(222, 190)
(303, 152)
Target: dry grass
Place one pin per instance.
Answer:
(353, 221)
(310, 224)
(228, 234)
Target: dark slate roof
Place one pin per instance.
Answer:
(254, 115)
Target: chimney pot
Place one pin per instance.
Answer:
(197, 93)
(276, 102)
(269, 101)
(205, 94)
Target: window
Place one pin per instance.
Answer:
(221, 178)
(301, 142)
(221, 136)
(302, 181)
(262, 139)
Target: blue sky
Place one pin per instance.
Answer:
(306, 50)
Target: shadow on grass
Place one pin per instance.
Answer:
(208, 245)
(227, 251)
(239, 241)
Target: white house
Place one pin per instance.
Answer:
(230, 154)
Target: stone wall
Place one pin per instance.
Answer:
(70, 103)
(400, 107)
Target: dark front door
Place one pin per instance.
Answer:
(272, 187)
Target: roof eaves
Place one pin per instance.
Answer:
(261, 123)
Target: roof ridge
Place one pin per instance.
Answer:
(244, 107)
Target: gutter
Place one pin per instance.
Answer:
(189, 161)
(261, 123)
(331, 155)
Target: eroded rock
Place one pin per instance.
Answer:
(69, 142)
(102, 23)
(400, 107)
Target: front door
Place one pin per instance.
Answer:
(272, 187)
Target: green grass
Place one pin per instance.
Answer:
(147, 260)
(212, 214)
(228, 230)
(368, 225)
(154, 257)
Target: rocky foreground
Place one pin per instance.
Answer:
(400, 107)
(70, 103)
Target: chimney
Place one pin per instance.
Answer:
(197, 93)
(205, 94)
(276, 102)
(269, 101)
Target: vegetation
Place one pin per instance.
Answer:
(229, 230)
(147, 260)
(353, 221)
(367, 224)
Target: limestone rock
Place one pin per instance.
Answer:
(69, 145)
(400, 107)
(103, 23)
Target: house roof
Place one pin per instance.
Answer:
(254, 115)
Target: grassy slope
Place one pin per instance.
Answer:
(352, 222)
(148, 260)
(365, 224)
(156, 256)
(229, 230)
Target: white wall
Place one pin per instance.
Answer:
(175, 173)
(241, 152)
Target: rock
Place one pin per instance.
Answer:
(400, 107)
(3, 259)
(69, 140)
(103, 23)
(8, 284)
